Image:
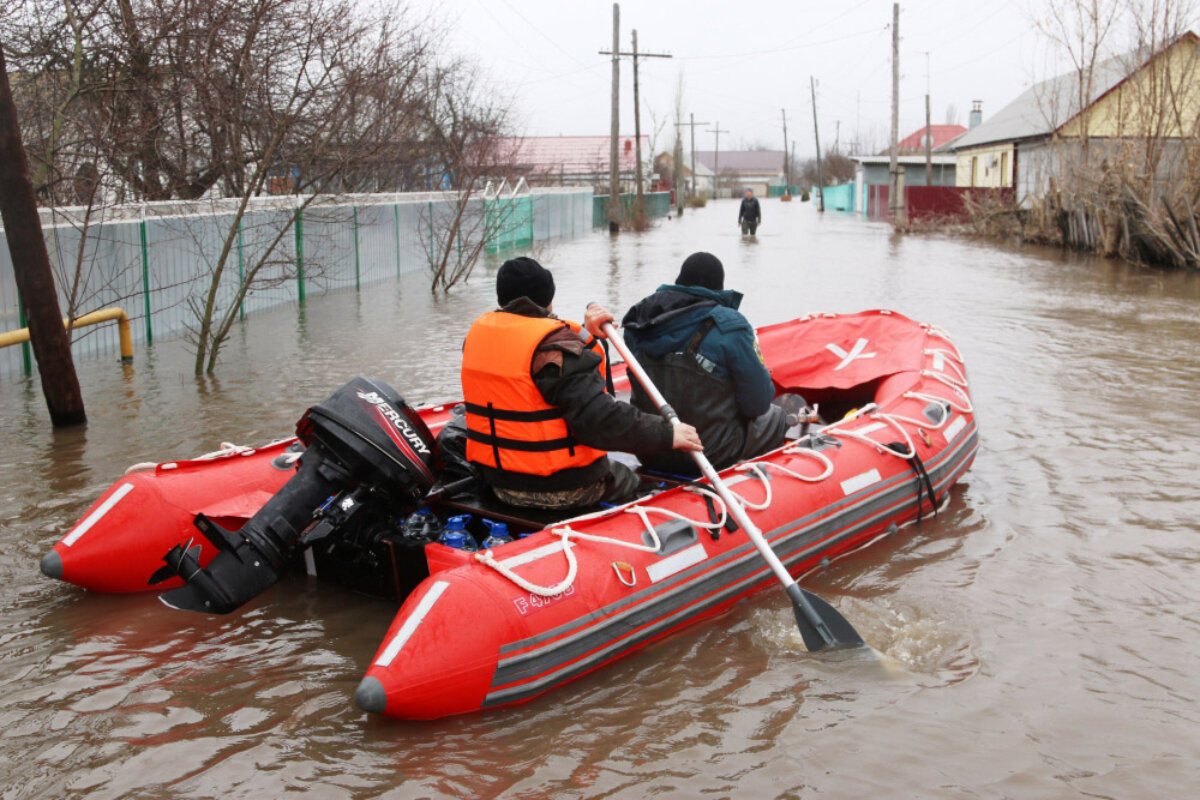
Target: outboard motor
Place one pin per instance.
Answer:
(363, 437)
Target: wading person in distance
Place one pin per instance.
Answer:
(539, 421)
(703, 356)
(749, 213)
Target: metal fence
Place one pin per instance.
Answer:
(156, 260)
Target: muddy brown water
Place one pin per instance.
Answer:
(1038, 639)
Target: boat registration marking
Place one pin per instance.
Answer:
(528, 603)
(410, 625)
(862, 481)
(83, 527)
(678, 562)
(954, 427)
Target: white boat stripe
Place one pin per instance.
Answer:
(954, 427)
(410, 625)
(862, 481)
(83, 527)
(678, 562)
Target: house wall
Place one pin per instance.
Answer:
(988, 165)
(943, 174)
(1162, 99)
(913, 174)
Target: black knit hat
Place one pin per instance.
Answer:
(702, 269)
(524, 277)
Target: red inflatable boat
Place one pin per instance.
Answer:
(502, 625)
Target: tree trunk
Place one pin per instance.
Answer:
(31, 267)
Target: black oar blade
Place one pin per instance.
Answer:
(821, 625)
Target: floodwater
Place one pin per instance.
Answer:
(1039, 638)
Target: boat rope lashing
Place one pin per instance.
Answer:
(227, 449)
(906, 450)
(948, 359)
(796, 450)
(754, 469)
(566, 533)
(934, 330)
(486, 557)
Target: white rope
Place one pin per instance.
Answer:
(487, 558)
(965, 405)
(566, 533)
(951, 360)
(227, 449)
(758, 469)
(796, 450)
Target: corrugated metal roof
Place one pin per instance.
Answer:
(940, 135)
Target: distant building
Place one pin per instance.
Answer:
(574, 161)
(938, 136)
(738, 170)
(1054, 124)
(874, 171)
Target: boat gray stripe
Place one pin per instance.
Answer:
(741, 570)
(937, 471)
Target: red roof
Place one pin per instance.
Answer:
(572, 155)
(941, 134)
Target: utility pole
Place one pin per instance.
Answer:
(637, 117)
(787, 171)
(895, 202)
(928, 129)
(677, 172)
(820, 198)
(31, 270)
(614, 189)
(717, 159)
(692, 124)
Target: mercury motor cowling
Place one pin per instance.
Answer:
(364, 437)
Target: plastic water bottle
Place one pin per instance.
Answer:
(422, 525)
(457, 536)
(497, 534)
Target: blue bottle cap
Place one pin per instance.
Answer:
(497, 529)
(458, 523)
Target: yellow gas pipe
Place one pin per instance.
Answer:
(9, 338)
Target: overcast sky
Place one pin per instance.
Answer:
(742, 61)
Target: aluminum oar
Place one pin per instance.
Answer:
(821, 626)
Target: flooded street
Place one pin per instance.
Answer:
(1037, 639)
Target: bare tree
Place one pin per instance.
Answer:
(188, 99)
(1082, 30)
(470, 155)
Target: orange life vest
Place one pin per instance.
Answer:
(509, 425)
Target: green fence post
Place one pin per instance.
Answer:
(396, 215)
(299, 228)
(357, 263)
(26, 354)
(241, 271)
(146, 279)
